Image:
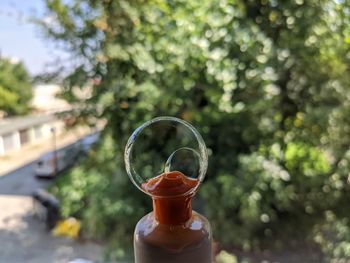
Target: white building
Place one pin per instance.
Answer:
(21, 131)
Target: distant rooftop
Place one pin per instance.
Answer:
(8, 125)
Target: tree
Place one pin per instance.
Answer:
(15, 88)
(264, 81)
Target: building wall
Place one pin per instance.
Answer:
(9, 142)
(35, 134)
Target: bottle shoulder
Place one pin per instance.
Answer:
(196, 222)
(174, 237)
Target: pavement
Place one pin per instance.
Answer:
(23, 237)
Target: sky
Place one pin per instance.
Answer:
(20, 39)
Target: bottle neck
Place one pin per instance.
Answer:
(172, 210)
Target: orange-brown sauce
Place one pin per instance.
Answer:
(172, 197)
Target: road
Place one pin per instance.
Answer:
(21, 182)
(23, 238)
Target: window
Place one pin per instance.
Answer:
(24, 136)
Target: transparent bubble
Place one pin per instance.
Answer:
(185, 160)
(165, 144)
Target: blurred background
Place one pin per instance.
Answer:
(266, 83)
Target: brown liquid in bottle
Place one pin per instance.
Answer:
(172, 233)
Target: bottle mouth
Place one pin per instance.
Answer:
(178, 144)
(170, 185)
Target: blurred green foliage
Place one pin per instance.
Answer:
(266, 83)
(334, 237)
(15, 88)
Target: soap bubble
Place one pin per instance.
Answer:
(165, 144)
(185, 160)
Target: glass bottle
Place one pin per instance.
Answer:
(166, 158)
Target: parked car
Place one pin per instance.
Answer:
(66, 157)
(46, 166)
